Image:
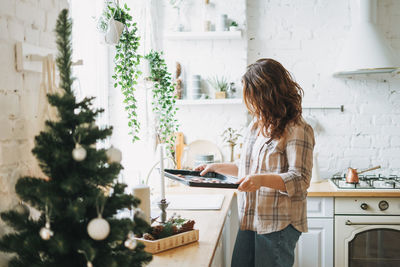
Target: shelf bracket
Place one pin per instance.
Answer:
(341, 108)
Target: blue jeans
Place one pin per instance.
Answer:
(267, 250)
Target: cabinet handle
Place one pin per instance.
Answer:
(348, 222)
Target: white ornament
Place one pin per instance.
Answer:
(46, 233)
(130, 243)
(89, 264)
(114, 155)
(98, 229)
(79, 153)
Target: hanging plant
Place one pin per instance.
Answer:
(126, 59)
(164, 100)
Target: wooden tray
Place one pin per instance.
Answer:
(211, 179)
(156, 246)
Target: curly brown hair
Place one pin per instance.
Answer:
(272, 96)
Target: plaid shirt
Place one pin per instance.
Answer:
(268, 210)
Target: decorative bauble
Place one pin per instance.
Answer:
(22, 209)
(46, 233)
(79, 153)
(98, 229)
(89, 264)
(130, 243)
(114, 155)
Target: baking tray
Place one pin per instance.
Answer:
(193, 178)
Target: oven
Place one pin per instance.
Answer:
(367, 232)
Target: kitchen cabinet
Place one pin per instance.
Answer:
(315, 248)
(224, 250)
(217, 235)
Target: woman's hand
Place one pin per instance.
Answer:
(205, 168)
(250, 183)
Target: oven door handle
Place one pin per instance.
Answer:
(348, 222)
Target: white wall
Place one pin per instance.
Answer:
(306, 37)
(32, 22)
(208, 58)
(205, 57)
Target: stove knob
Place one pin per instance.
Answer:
(383, 205)
(364, 206)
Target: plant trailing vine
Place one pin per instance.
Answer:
(126, 60)
(164, 100)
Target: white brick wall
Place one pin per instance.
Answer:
(204, 57)
(32, 22)
(306, 37)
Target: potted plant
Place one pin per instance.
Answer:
(220, 85)
(234, 26)
(231, 137)
(127, 60)
(110, 24)
(164, 100)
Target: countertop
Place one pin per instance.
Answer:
(327, 189)
(210, 224)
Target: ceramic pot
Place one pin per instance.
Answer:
(222, 23)
(114, 32)
(220, 95)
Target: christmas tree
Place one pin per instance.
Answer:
(79, 201)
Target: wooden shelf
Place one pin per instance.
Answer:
(188, 102)
(227, 35)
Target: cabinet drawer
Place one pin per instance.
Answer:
(320, 207)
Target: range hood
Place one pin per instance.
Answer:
(366, 51)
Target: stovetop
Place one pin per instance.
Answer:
(368, 182)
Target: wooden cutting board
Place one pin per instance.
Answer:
(179, 146)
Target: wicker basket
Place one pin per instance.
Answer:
(155, 246)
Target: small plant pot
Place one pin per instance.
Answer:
(114, 32)
(220, 95)
(233, 28)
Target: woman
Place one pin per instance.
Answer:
(274, 170)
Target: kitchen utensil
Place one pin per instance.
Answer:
(195, 90)
(193, 178)
(315, 176)
(179, 146)
(352, 174)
